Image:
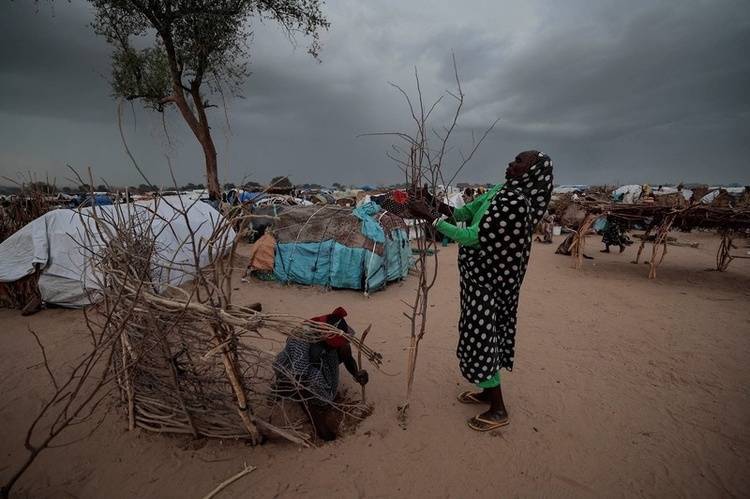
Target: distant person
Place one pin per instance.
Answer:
(493, 253)
(566, 247)
(614, 235)
(647, 194)
(469, 195)
(308, 372)
(548, 223)
(745, 199)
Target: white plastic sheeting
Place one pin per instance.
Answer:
(710, 197)
(61, 243)
(567, 189)
(628, 194)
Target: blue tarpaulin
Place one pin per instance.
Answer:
(246, 197)
(332, 264)
(600, 224)
(370, 227)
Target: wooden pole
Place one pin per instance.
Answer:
(643, 243)
(359, 359)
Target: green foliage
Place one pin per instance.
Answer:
(142, 74)
(196, 41)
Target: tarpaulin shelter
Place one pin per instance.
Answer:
(60, 243)
(327, 245)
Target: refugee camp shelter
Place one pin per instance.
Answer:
(60, 245)
(336, 247)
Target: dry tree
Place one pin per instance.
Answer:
(422, 155)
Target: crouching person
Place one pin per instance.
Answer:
(308, 372)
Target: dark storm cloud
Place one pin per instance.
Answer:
(614, 91)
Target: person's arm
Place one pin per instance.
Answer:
(467, 211)
(468, 236)
(345, 355)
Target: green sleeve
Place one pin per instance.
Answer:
(467, 211)
(472, 213)
(466, 237)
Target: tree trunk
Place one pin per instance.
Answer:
(198, 124)
(212, 169)
(202, 133)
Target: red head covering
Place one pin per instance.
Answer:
(339, 313)
(333, 340)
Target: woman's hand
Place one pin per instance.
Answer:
(362, 377)
(423, 193)
(420, 193)
(421, 210)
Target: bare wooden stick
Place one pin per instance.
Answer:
(580, 240)
(359, 360)
(643, 243)
(247, 470)
(724, 256)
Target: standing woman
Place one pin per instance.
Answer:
(493, 254)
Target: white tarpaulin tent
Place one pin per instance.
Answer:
(60, 243)
(627, 194)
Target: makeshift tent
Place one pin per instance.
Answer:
(340, 247)
(627, 194)
(59, 245)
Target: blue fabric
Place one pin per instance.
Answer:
(376, 274)
(304, 263)
(398, 255)
(102, 200)
(96, 200)
(600, 224)
(370, 227)
(332, 264)
(346, 267)
(251, 196)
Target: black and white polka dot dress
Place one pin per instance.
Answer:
(492, 272)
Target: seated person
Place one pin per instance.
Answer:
(308, 372)
(548, 223)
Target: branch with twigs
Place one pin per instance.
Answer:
(423, 156)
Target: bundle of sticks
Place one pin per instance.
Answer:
(187, 359)
(694, 216)
(659, 220)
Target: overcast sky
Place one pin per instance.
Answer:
(614, 91)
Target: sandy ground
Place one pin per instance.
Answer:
(622, 387)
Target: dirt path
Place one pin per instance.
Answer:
(622, 387)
